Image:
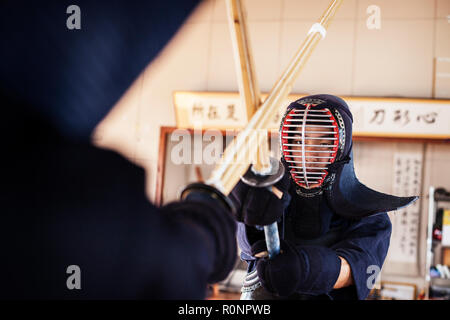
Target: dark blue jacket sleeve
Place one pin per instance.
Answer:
(244, 243)
(68, 204)
(365, 245)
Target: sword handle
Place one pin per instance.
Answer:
(272, 239)
(267, 180)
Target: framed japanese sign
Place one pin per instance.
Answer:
(373, 117)
(395, 117)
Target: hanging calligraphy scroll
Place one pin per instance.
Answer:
(378, 117)
(405, 222)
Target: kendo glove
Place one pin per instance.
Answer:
(209, 209)
(260, 206)
(298, 269)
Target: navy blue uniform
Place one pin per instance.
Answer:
(324, 213)
(363, 242)
(63, 201)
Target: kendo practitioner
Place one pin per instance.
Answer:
(334, 231)
(67, 203)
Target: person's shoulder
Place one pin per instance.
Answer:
(79, 172)
(89, 157)
(380, 217)
(107, 167)
(375, 222)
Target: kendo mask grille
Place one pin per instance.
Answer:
(309, 143)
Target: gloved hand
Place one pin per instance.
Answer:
(303, 269)
(259, 206)
(207, 208)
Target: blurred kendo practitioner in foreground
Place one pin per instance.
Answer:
(66, 203)
(334, 231)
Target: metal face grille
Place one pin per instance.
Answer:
(310, 141)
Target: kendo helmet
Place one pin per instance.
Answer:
(314, 136)
(316, 150)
